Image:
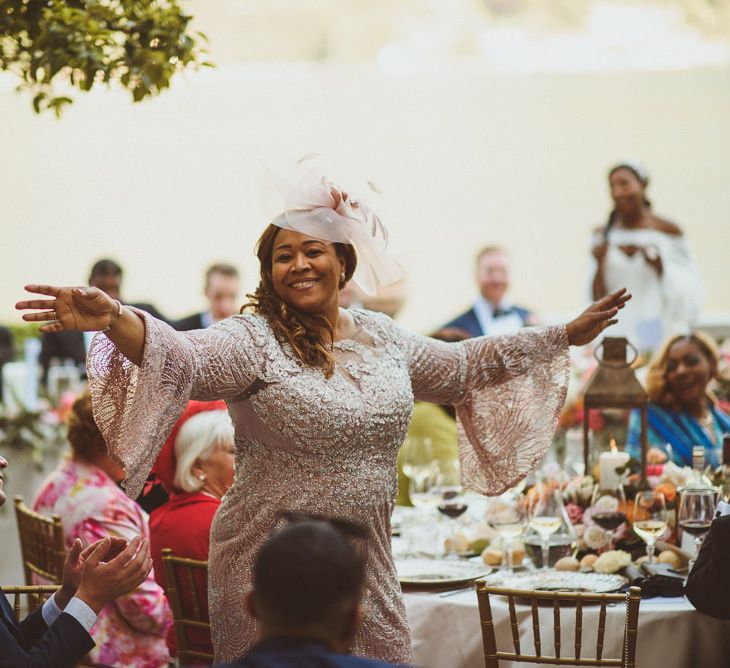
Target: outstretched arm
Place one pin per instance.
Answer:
(86, 310)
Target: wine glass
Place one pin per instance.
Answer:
(650, 519)
(696, 510)
(507, 516)
(608, 509)
(453, 505)
(417, 455)
(545, 513)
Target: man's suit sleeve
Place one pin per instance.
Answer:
(62, 645)
(708, 584)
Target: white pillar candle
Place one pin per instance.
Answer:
(608, 462)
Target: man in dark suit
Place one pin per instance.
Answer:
(308, 579)
(492, 313)
(107, 276)
(221, 291)
(56, 635)
(708, 583)
(7, 352)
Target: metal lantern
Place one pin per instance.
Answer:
(614, 385)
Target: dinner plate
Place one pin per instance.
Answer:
(552, 580)
(438, 571)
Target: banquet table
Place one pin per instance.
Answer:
(672, 634)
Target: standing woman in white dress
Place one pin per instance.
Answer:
(649, 255)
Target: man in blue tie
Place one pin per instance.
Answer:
(308, 580)
(492, 313)
(56, 635)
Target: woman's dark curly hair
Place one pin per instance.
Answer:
(310, 336)
(83, 434)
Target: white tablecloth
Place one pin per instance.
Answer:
(672, 634)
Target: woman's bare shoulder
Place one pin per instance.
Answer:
(667, 227)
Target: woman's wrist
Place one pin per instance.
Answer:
(115, 316)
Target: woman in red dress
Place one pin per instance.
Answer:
(196, 468)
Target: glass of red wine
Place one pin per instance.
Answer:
(696, 510)
(452, 505)
(608, 509)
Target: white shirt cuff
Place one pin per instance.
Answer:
(722, 509)
(50, 611)
(81, 612)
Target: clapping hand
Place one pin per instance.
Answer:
(74, 565)
(70, 309)
(103, 581)
(599, 315)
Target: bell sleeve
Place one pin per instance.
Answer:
(508, 392)
(136, 407)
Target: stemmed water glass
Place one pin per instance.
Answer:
(696, 510)
(422, 471)
(608, 509)
(650, 519)
(451, 503)
(545, 513)
(506, 514)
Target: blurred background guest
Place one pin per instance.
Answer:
(84, 491)
(107, 276)
(307, 584)
(682, 409)
(492, 313)
(221, 290)
(432, 424)
(7, 352)
(196, 466)
(650, 257)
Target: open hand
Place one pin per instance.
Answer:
(102, 582)
(599, 315)
(71, 309)
(74, 565)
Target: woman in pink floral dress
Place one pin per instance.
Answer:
(131, 631)
(320, 397)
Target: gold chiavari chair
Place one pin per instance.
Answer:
(188, 600)
(492, 657)
(35, 594)
(42, 546)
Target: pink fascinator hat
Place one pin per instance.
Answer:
(308, 202)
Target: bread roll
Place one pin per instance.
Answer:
(567, 564)
(588, 561)
(492, 556)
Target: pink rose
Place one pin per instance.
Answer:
(575, 512)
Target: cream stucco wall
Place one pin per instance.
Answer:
(463, 158)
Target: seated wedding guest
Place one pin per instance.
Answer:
(107, 276)
(307, 584)
(649, 255)
(708, 583)
(682, 410)
(84, 491)
(196, 466)
(56, 635)
(221, 291)
(432, 422)
(7, 352)
(492, 313)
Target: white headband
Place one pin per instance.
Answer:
(313, 205)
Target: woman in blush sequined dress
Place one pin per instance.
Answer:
(320, 397)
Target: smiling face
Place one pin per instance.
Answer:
(306, 272)
(627, 190)
(688, 371)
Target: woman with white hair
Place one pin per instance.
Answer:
(196, 467)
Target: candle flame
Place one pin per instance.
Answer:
(613, 445)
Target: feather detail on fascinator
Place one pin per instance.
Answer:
(308, 202)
